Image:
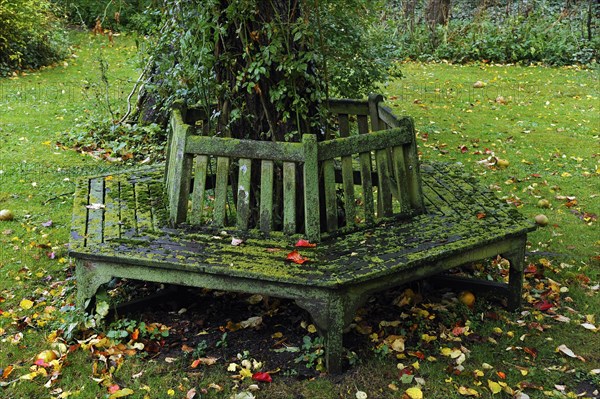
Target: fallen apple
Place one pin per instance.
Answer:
(541, 220)
(6, 215)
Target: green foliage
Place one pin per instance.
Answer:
(312, 353)
(546, 33)
(292, 60)
(139, 15)
(30, 35)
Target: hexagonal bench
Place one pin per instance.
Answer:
(377, 217)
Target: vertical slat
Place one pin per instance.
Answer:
(181, 165)
(112, 221)
(243, 193)
(143, 215)
(374, 100)
(347, 175)
(384, 192)
(330, 195)
(221, 191)
(198, 192)
(365, 174)
(266, 196)
(289, 197)
(411, 157)
(400, 175)
(95, 221)
(311, 188)
(128, 218)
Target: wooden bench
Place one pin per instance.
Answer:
(379, 219)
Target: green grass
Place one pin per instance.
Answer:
(548, 131)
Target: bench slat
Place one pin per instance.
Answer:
(366, 174)
(95, 223)
(330, 195)
(312, 218)
(401, 177)
(347, 175)
(221, 191)
(352, 107)
(243, 193)
(127, 203)
(252, 149)
(143, 215)
(289, 197)
(337, 148)
(199, 189)
(266, 196)
(112, 215)
(384, 190)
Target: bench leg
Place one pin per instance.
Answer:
(515, 276)
(331, 315)
(89, 279)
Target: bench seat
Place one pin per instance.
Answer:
(121, 229)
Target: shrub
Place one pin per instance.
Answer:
(30, 35)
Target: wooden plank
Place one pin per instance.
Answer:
(347, 175)
(199, 189)
(95, 219)
(266, 196)
(312, 217)
(289, 197)
(112, 214)
(350, 107)
(340, 147)
(221, 191)
(374, 100)
(415, 190)
(384, 190)
(143, 214)
(388, 117)
(180, 178)
(252, 149)
(401, 177)
(243, 193)
(128, 219)
(366, 175)
(330, 195)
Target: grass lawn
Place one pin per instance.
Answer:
(530, 133)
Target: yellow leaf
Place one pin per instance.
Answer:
(311, 328)
(121, 393)
(170, 392)
(445, 351)
(468, 392)
(494, 387)
(428, 338)
(26, 304)
(246, 373)
(398, 345)
(478, 373)
(414, 393)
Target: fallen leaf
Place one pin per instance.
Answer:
(305, 244)
(121, 393)
(191, 394)
(295, 257)
(494, 387)
(26, 304)
(209, 361)
(468, 391)
(262, 377)
(589, 326)
(414, 393)
(361, 395)
(566, 351)
(236, 242)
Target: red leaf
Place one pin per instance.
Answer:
(295, 257)
(501, 375)
(481, 215)
(405, 371)
(530, 269)
(262, 377)
(305, 244)
(543, 305)
(532, 351)
(113, 388)
(463, 148)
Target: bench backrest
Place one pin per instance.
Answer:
(365, 171)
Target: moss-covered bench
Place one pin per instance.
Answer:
(377, 217)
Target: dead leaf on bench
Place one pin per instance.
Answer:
(95, 206)
(305, 244)
(295, 257)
